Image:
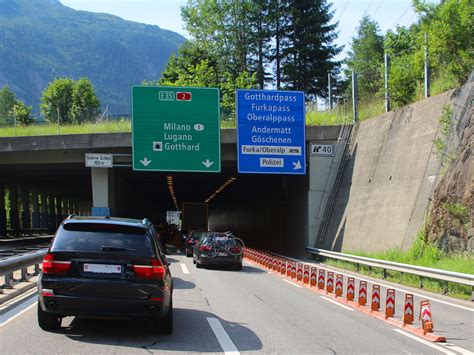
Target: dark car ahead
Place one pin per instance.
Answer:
(193, 238)
(219, 249)
(102, 267)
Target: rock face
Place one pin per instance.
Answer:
(451, 218)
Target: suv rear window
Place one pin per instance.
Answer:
(102, 237)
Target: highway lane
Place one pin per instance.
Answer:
(216, 310)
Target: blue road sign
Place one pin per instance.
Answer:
(271, 132)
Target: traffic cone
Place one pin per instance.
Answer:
(426, 317)
(390, 303)
(299, 272)
(312, 278)
(350, 289)
(375, 305)
(330, 282)
(408, 309)
(306, 274)
(339, 285)
(321, 279)
(362, 293)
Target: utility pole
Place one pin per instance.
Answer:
(355, 113)
(330, 91)
(387, 93)
(58, 119)
(427, 69)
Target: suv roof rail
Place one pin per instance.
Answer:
(146, 221)
(71, 216)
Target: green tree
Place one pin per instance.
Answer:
(57, 100)
(7, 101)
(450, 30)
(85, 104)
(366, 58)
(21, 114)
(309, 52)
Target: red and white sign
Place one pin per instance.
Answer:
(350, 289)
(183, 96)
(390, 303)
(363, 293)
(408, 311)
(339, 281)
(321, 279)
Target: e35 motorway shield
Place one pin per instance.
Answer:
(271, 132)
(176, 129)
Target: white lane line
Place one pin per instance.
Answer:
(17, 315)
(184, 268)
(223, 338)
(357, 277)
(337, 303)
(425, 342)
(291, 283)
(459, 349)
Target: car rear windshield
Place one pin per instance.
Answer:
(220, 241)
(102, 238)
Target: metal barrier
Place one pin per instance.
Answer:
(21, 262)
(421, 271)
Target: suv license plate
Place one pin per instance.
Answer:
(221, 254)
(103, 269)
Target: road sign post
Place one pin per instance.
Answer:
(271, 132)
(176, 129)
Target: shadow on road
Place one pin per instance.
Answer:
(180, 284)
(192, 332)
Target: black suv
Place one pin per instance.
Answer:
(107, 268)
(219, 249)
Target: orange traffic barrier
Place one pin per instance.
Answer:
(408, 309)
(390, 303)
(350, 289)
(330, 282)
(362, 293)
(339, 285)
(426, 317)
(375, 305)
(312, 278)
(306, 274)
(288, 268)
(283, 267)
(321, 279)
(299, 272)
(293, 270)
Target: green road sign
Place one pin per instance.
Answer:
(176, 129)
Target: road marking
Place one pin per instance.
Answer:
(18, 314)
(223, 338)
(356, 276)
(423, 341)
(337, 303)
(291, 283)
(184, 268)
(459, 349)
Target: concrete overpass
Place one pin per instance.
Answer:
(45, 179)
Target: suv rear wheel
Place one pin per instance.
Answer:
(48, 321)
(164, 325)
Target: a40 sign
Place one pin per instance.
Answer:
(322, 149)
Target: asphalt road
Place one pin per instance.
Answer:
(219, 311)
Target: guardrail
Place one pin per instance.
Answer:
(20, 262)
(421, 271)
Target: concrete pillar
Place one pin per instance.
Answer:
(103, 197)
(3, 213)
(51, 213)
(14, 216)
(25, 213)
(35, 214)
(44, 212)
(59, 211)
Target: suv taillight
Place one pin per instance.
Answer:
(154, 271)
(50, 266)
(235, 250)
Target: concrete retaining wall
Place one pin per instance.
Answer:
(385, 189)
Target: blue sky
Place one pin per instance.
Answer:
(166, 13)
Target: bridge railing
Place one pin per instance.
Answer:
(420, 271)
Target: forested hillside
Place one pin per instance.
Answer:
(41, 40)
